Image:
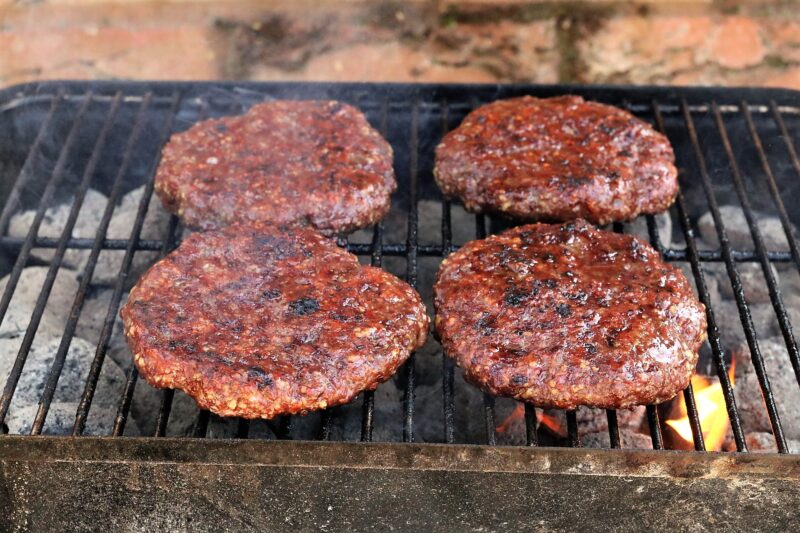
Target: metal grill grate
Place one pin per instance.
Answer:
(60, 140)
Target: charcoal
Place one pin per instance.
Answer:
(739, 232)
(61, 418)
(629, 439)
(591, 420)
(663, 226)
(73, 375)
(726, 314)
(122, 222)
(93, 314)
(708, 276)
(54, 222)
(761, 442)
(784, 386)
(146, 405)
(19, 312)
(751, 275)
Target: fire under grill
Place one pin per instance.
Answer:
(79, 224)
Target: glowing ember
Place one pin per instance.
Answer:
(516, 414)
(519, 412)
(553, 424)
(711, 411)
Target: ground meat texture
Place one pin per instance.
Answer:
(557, 159)
(256, 321)
(568, 315)
(310, 163)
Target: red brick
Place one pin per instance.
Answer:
(738, 43)
(375, 62)
(641, 49)
(100, 53)
(789, 79)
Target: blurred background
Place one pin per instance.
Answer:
(690, 42)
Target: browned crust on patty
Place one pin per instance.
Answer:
(557, 159)
(568, 315)
(257, 321)
(312, 163)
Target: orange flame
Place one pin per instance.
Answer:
(516, 414)
(519, 412)
(552, 423)
(711, 411)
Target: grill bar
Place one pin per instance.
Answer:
(572, 429)
(613, 428)
(58, 360)
(376, 260)
(531, 438)
(414, 116)
(83, 407)
(771, 182)
(705, 298)
(694, 419)
(25, 174)
(448, 366)
(787, 139)
(201, 426)
(738, 291)
(30, 332)
(655, 428)
(761, 249)
(411, 269)
(163, 412)
(488, 416)
(113, 306)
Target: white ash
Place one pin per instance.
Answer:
(726, 315)
(629, 439)
(93, 314)
(785, 389)
(155, 227)
(91, 321)
(26, 292)
(61, 418)
(751, 275)
(739, 232)
(73, 375)
(54, 222)
(72, 380)
(638, 228)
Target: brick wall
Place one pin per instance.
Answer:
(546, 41)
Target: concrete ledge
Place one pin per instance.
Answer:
(49, 483)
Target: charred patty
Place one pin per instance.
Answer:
(568, 315)
(310, 163)
(557, 159)
(256, 321)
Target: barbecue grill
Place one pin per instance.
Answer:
(59, 139)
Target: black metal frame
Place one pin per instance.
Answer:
(383, 104)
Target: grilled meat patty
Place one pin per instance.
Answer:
(257, 321)
(568, 315)
(557, 159)
(310, 163)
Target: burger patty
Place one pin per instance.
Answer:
(557, 159)
(568, 315)
(311, 163)
(257, 321)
